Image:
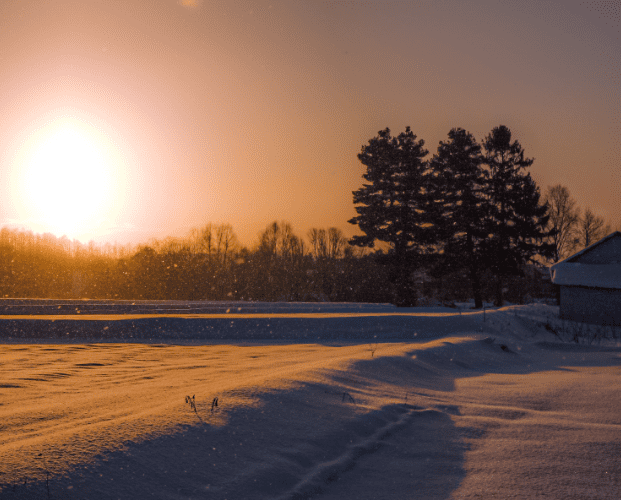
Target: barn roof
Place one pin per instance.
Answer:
(573, 272)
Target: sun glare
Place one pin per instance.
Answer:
(67, 172)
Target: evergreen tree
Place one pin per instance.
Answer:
(460, 205)
(394, 206)
(516, 221)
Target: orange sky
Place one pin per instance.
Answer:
(249, 111)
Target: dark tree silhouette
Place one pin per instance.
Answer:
(564, 217)
(591, 228)
(328, 248)
(516, 221)
(394, 206)
(278, 264)
(460, 206)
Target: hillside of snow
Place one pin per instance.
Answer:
(442, 403)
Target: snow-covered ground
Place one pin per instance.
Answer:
(209, 321)
(443, 404)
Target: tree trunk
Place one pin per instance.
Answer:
(498, 300)
(474, 274)
(404, 295)
(476, 287)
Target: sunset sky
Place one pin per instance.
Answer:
(189, 112)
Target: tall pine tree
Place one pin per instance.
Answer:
(460, 205)
(516, 221)
(393, 207)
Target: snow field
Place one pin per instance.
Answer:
(212, 321)
(491, 409)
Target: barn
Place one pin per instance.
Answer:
(590, 283)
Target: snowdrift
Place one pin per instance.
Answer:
(487, 409)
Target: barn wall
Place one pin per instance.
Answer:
(591, 305)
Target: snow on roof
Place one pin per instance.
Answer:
(592, 275)
(571, 273)
(575, 256)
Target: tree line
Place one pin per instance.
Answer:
(573, 229)
(208, 263)
(461, 224)
(472, 211)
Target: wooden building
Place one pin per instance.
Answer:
(590, 283)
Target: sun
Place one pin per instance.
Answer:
(67, 175)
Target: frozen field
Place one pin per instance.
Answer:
(209, 321)
(328, 401)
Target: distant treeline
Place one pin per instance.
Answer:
(467, 223)
(210, 264)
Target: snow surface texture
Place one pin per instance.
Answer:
(493, 409)
(187, 321)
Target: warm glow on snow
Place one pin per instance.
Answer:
(496, 405)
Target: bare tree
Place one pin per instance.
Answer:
(280, 262)
(268, 240)
(564, 218)
(226, 242)
(207, 239)
(318, 241)
(194, 241)
(327, 244)
(291, 247)
(170, 245)
(591, 228)
(336, 243)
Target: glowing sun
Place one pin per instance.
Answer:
(67, 174)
